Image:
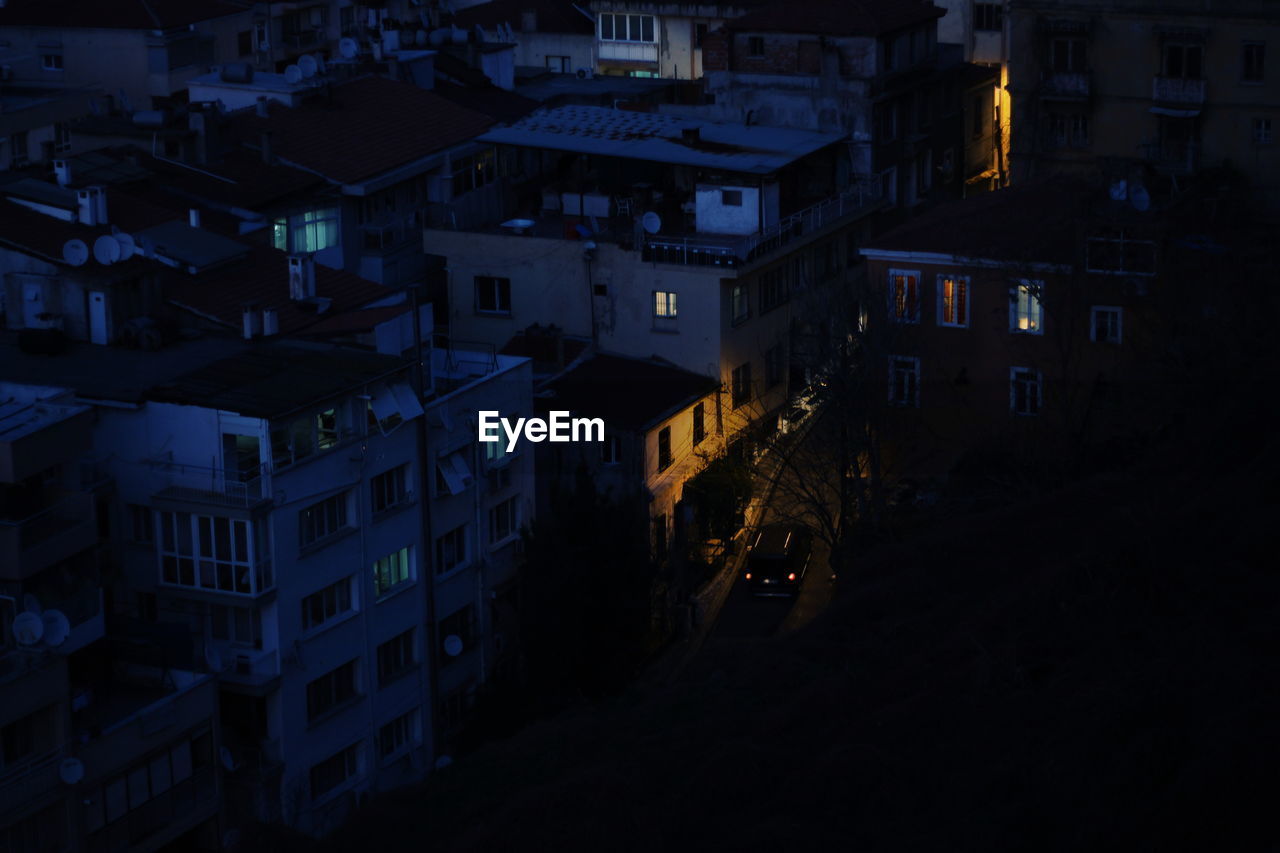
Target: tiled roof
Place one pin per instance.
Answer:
(838, 17)
(249, 183)
(494, 102)
(353, 322)
(35, 233)
(1034, 223)
(628, 393)
(115, 14)
(554, 16)
(370, 125)
(262, 279)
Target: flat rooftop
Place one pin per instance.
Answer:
(20, 418)
(660, 138)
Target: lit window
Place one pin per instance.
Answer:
(1026, 313)
(494, 451)
(904, 381)
(953, 301)
(904, 296)
(1024, 391)
(391, 571)
(664, 303)
(1104, 326)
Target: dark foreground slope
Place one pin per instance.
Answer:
(1090, 670)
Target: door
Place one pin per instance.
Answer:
(32, 305)
(97, 317)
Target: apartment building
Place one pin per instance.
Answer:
(657, 39)
(656, 235)
(1177, 89)
(558, 35)
(917, 116)
(982, 30)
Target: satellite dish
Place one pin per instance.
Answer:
(1140, 198)
(1120, 190)
(228, 760)
(106, 250)
(213, 659)
(293, 75)
(348, 48)
(453, 645)
(27, 628)
(308, 66)
(71, 770)
(75, 252)
(56, 627)
(651, 222)
(128, 248)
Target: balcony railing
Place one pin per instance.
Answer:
(627, 51)
(1066, 86)
(1178, 91)
(53, 533)
(731, 251)
(250, 667)
(215, 486)
(1173, 158)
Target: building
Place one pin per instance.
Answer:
(982, 31)
(558, 35)
(658, 39)
(1172, 89)
(657, 235)
(917, 116)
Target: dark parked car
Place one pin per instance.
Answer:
(777, 557)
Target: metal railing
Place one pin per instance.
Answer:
(1066, 85)
(239, 488)
(1178, 90)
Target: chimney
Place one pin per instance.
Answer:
(92, 204)
(270, 322)
(251, 321)
(266, 147)
(62, 169)
(261, 107)
(529, 21)
(302, 277)
(193, 217)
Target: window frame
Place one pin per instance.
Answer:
(739, 303)
(665, 304)
(627, 20)
(1245, 76)
(740, 385)
(340, 597)
(340, 503)
(399, 497)
(511, 508)
(904, 308)
(396, 657)
(404, 571)
(1034, 290)
(966, 293)
(498, 284)
(341, 685)
(664, 457)
(1099, 310)
(699, 428)
(755, 47)
(59, 63)
(993, 13)
(910, 400)
(453, 538)
(1017, 374)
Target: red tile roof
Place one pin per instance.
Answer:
(249, 183)
(837, 17)
(115, 14)
(372, 125)
(261, 279)
(494, 102)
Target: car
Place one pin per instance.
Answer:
(777, 558)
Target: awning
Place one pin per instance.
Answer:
(1172, 113)
(394, 404)
(454, 472)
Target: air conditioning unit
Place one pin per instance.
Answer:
(585, 74)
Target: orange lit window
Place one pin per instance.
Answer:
(953, 298)
(904, 295)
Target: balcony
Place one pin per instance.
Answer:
(1066, 86)
(627, 51)
(47, 536)
(730, 251)
(1178, 92)
(251, 671)
(30, 781)
(217, 487)
(1173, 158)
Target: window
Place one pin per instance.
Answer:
(1253, 55)
(395, 658)
(474, 171)
(731, 198)
(141, 785)
(664, 448)
(331, 690)
(1068, 55)
(323, 519)
(460, 624)
(241, 626)
(493, 295)
(1024, 391)
(773, 289)
(611, 450)
(987, 16)
(755, 46)
(326, 604)
(558, 64)
(699, 423)
(1104, 326)
(1068, 130)
(904, 381)
(739, 302)
(626, 27)
(504, 520)
(61, 138)
(18, 152)
(207, 552)
(953, 300)
(309, 231)
(398, 734)
(392, 571)
(904, 296)
(334, 770)
(494, 451)
(774, 365)
(1184, 61)
(1026, 313)
(141, 524)
(451, 550)
(1262, 131)
(742, 385)
(664, 303)
(307, 435)
(51, 61)
(390, 488)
